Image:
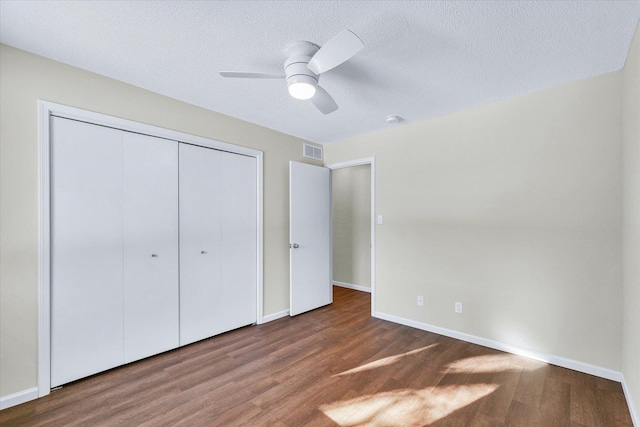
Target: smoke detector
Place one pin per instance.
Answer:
(392, 120)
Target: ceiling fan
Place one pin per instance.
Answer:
(305, 61)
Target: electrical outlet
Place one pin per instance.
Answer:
(458, 307)
(420, 301)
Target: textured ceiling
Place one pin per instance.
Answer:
(421, 59)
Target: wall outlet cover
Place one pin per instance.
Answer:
(458, 307)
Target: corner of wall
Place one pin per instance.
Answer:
(631, 226)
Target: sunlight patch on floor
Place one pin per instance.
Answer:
(386, 361)
(491, 363)
(405, 407)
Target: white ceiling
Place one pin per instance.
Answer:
(421, 59)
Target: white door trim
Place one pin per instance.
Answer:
(45, 111)
(358, 162)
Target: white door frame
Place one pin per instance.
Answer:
(45, 111)
(358, 162)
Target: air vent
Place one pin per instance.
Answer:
(312, 152)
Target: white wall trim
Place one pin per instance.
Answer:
(350, 163)
(51, 108)
(352, 286)
(45, 111)
(531, 354)
(260, 238)
(44, 249)
(632, 407)
(18, 398)
(275, 316)
(358, 162)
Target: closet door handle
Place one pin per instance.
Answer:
(154, 255)
(203, 252)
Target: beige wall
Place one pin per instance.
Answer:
(25, 78)
(631, 221)
(351, 188)
(514, 209)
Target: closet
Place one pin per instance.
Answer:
(153, 246)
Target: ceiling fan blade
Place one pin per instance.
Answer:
(245, 75)
(323, 101)
(335, 52)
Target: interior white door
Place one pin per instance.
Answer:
(150, 246)
(310, 237)
(218, 238)
(86, 255)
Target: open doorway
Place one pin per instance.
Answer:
(353, 213)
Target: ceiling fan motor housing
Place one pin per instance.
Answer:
(295, 67)
(297, 72)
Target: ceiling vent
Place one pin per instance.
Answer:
(312, 152)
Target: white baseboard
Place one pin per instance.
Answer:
(632, 407)
(274, 316)
(18, 398)
(352, 286)
(531, 354)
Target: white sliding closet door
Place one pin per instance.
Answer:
(87, 252)
(153, 246)
(218, 199)
(238, 240)
(150, 246)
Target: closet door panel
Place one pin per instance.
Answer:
(218, 243)
(238, 178)
(200, 250)
(150, 246)
(86, 255)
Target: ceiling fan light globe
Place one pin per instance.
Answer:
(302, 90)
(301, 86)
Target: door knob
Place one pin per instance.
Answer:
(203, 252)
(154, 255)
(294, 246)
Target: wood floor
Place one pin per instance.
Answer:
(332, 366)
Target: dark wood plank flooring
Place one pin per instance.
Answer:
(332, 366)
